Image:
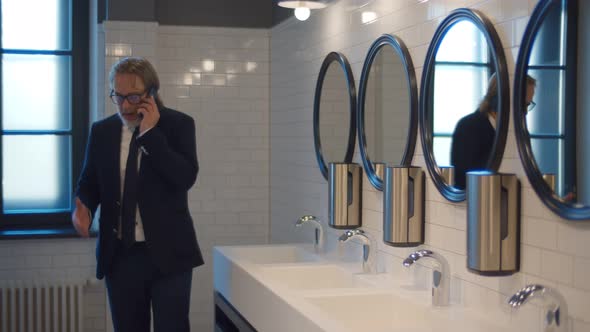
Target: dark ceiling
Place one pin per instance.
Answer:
(217, 13)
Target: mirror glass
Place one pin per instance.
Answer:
(388, 107)
(550, 121)
(461, 74)
(334, 112)
(462, 104)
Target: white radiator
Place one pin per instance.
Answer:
(35, 306)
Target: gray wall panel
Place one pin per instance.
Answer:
(131, 10)
(218, 13)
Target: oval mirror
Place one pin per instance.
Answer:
(550, 121)
(464, 102)
(334, 112)
(388, 108)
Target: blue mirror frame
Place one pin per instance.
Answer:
(345, 65)
(544, 192)
(400, 48)
(427, 94)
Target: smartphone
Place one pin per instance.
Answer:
(151, 92)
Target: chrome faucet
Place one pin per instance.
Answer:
(318, 243)
(440, 276)
(556, 315)
(369, 248)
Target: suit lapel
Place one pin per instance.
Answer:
(113, 154)
(163, 113)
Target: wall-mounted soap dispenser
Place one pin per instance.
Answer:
(448, 174)
(345, 195)
(493, 223)
(550, 180)
(380, 169)
(403, 206)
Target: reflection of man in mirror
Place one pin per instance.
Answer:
(474, 135)
(531, 84)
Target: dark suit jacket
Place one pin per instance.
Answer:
(473, 139)
(167, 171)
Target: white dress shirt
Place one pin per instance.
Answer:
(126, 135)
(492, 120)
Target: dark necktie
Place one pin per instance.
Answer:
(130, 194)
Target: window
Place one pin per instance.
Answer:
(43, 113)
(457, 61)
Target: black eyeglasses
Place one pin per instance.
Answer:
(133, 98)
(531, 105)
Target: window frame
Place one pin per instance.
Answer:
(56, 224)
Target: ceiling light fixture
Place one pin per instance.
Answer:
(302, 8)
(302, 13)
(368, 17)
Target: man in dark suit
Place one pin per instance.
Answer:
(139, 166)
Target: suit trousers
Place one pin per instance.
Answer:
(135, 286)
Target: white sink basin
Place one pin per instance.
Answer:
(377, 312)
(313, 277)
(274, 254)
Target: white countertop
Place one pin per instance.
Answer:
(289, 288)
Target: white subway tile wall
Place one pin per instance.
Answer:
(555, 252)
(51, 260)
(219, 76)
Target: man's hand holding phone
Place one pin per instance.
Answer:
(148, 111)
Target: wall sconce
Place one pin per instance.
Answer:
(302, 9)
